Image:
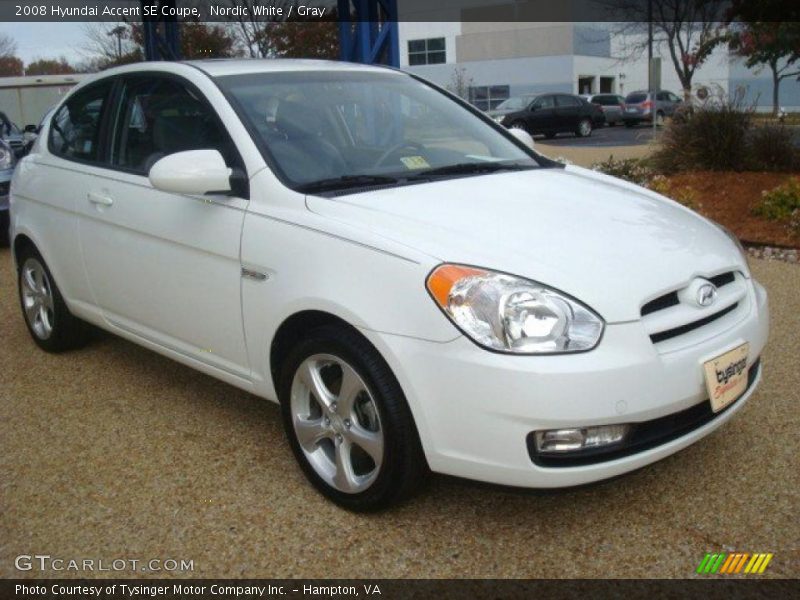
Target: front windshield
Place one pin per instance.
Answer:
(515, 103)
(318, 126)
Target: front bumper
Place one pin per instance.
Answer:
(474, 409)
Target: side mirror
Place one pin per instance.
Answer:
(523, 136)
(31, 129)
(191, 172)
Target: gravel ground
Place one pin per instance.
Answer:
(115, 452)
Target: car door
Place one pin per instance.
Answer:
(542, 115)
(163, 266)
(568, 111)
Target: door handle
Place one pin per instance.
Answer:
(99, 199)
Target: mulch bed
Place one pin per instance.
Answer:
(729, 198)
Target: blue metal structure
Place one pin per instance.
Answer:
(368, 32)
(161, 43)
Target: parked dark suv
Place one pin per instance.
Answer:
(549, 114)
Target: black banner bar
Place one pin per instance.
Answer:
(392, 589)
(408, 10)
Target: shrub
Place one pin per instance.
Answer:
(629, 169)
(771, 149)
(781, 203)
(713, 137)
(682, 194)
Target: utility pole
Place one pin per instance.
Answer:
(650, 70)
(118, 31)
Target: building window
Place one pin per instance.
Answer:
(426, 52)
(487, 97)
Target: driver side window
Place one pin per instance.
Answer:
(544, 102)
(160, 116)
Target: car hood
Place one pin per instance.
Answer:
(611, 244)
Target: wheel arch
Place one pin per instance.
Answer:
(22, 242)
(293, 328)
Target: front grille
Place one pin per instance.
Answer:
(676, 331)
(644, 435)
(661, 303)
(671, 298)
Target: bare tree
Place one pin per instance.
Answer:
(8, 45)
(107, 42)
(251, 30)
(460, 83)
(690, 30)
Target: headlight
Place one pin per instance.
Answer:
(510, 314)
(6, 158)
(500, 119)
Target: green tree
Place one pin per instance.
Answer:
(772, 44)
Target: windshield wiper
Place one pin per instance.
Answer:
(346, 181)
(469, 169)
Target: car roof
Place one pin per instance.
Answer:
(221, 67)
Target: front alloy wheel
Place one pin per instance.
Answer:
(348, 422)
(336, 423)
(585, 128)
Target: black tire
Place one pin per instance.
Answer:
(629, 124)
(4, 224)
(404, 466)
(67, 331)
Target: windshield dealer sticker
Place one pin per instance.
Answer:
(414, 162)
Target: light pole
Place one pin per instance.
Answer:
(118, 31)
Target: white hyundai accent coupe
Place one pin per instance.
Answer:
(414, 284)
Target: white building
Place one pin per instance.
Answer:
(502, 59)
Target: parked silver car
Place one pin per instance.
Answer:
(612, 106)
(639, 107)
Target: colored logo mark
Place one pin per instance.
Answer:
(737, 562)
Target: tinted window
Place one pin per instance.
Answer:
(75, 128)
(662, 96)
(673, 97)
(606, 100)
(545, 102)
(160, 116)
(635, 98)
(568, 101)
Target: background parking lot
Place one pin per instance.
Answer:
(114, 451)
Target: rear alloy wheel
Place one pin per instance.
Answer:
(659, 119)
(348, 422)
(49, 321)
(584, 128)
(519, 125)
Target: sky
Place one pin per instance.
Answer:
(47, 40)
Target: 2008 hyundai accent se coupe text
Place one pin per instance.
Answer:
(416, 286)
